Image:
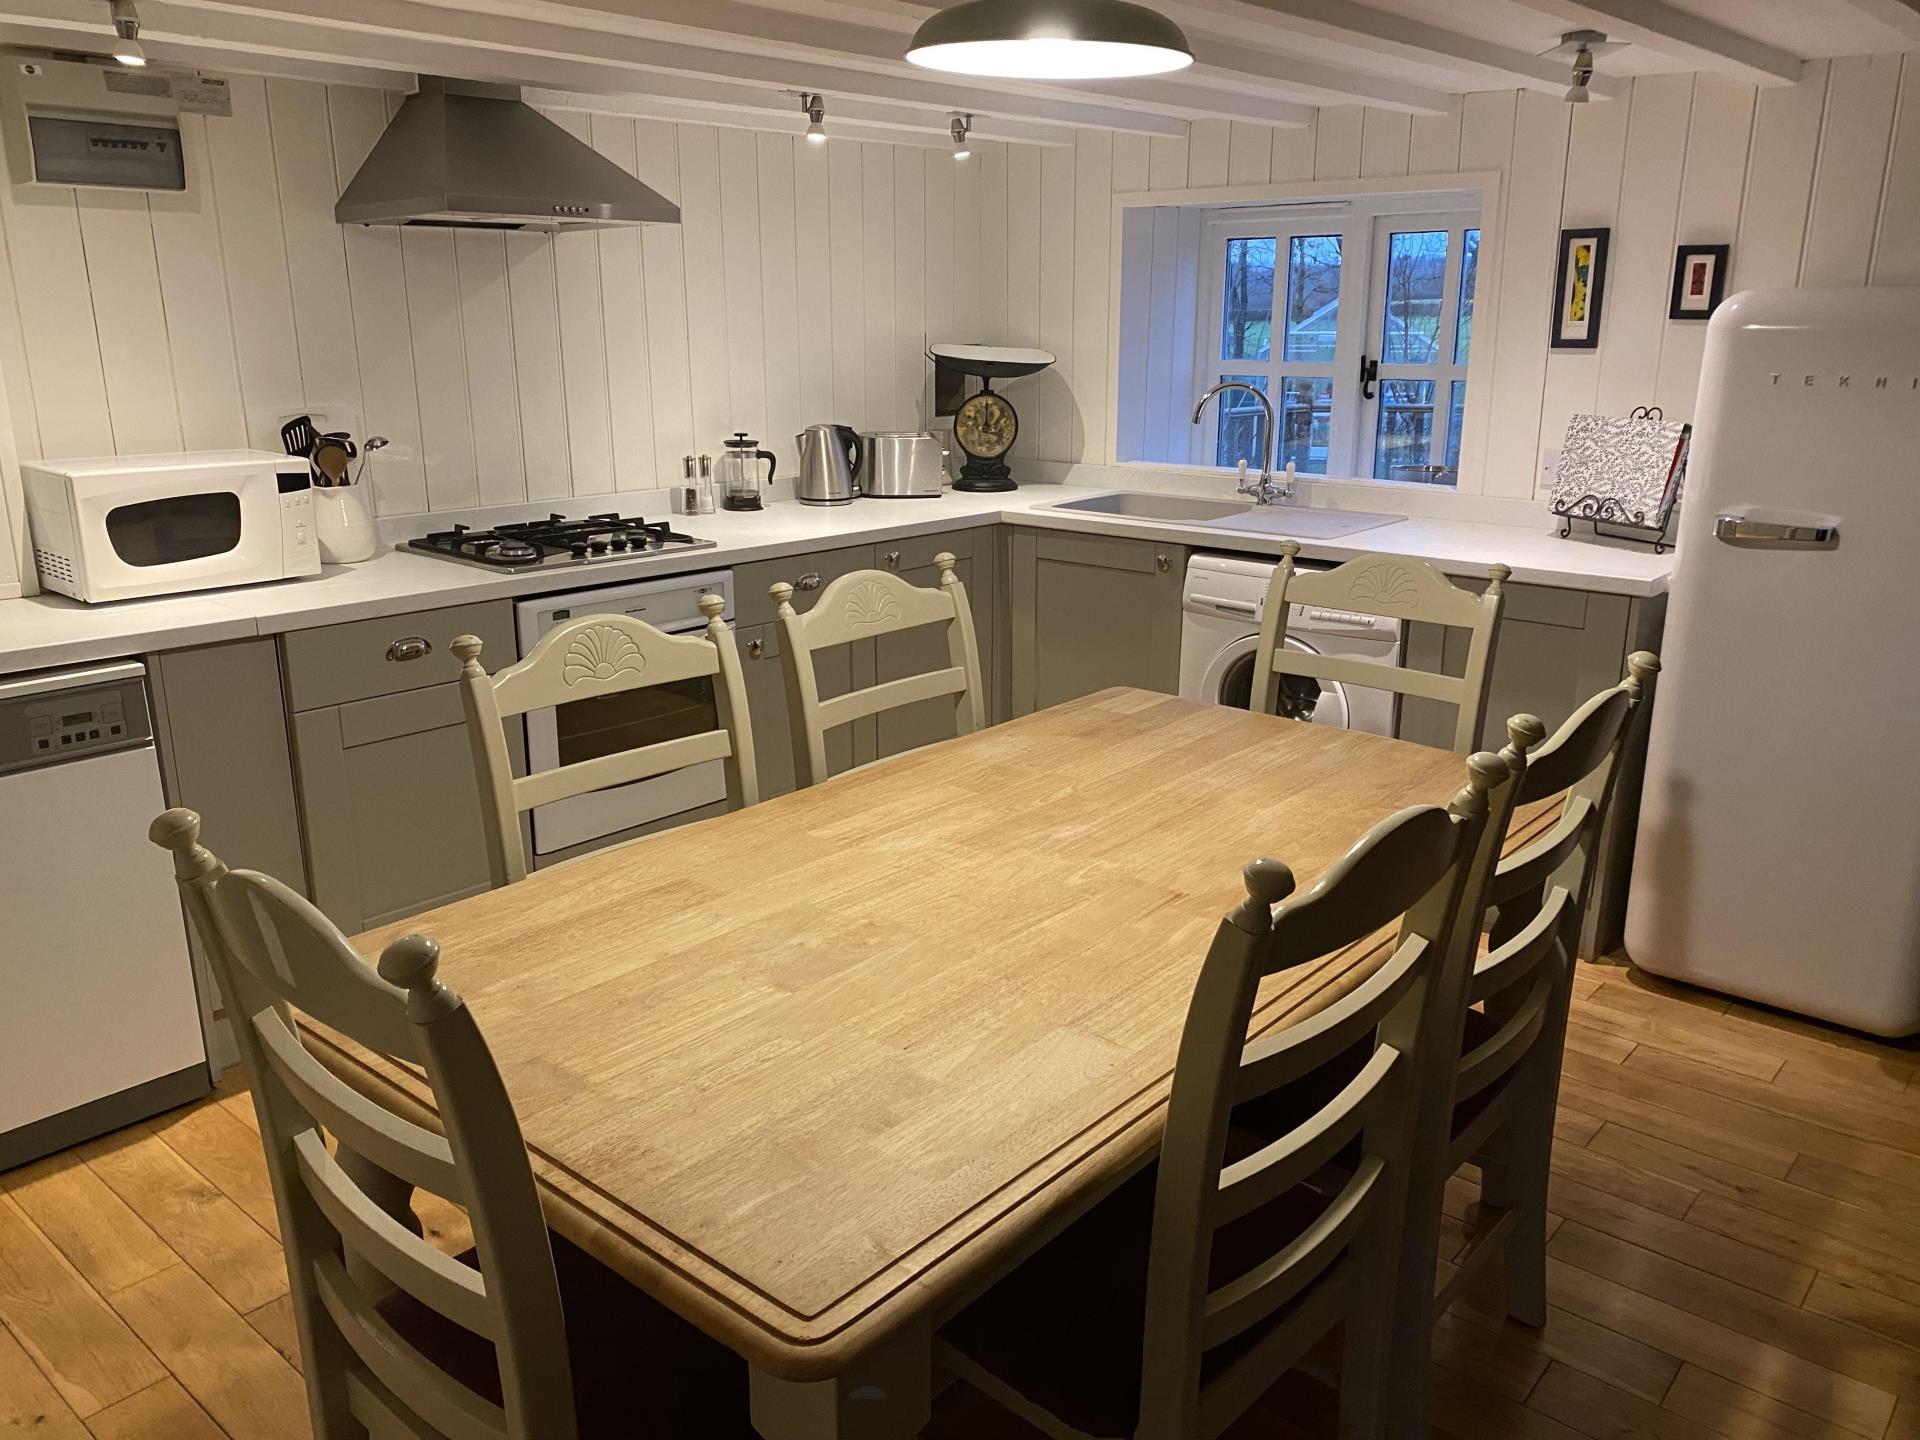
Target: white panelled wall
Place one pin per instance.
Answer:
(806, 280)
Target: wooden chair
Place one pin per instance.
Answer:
(1396, 586)
(592, 656)
(1510, 1016)
(864, 605)
(1173, 1305)
(397, 1338)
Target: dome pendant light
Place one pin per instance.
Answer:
(1050, 40)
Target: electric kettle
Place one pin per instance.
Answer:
(830, 465)
(738, 472)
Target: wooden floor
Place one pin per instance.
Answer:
(1736, 1253)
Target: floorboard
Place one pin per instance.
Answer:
(1735, 1256)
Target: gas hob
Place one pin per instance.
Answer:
(557, 543)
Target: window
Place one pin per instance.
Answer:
(1354, 319)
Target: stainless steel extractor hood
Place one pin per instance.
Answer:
(466, 153)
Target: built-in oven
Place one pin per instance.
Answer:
(607, 724)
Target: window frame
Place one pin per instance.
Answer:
(1443, 373)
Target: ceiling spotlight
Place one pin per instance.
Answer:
(960, 126)
(815, 109)
(126, 26)
(1581, 47)
(1050, 40)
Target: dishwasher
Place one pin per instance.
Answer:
(100, 1019)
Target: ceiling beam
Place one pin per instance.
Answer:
(1900, 16)
(1380, 33)
(1686, 37)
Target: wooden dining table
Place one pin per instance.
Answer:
(813, 1074)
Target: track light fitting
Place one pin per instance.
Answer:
(815, 109)
(960, 127)
(126, 29)
(1582, 48)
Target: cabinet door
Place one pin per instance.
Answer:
(1093, 611)
(392, 805)
(914, 652)
(836, 671)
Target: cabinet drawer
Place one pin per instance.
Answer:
(917, 551)
(364, 658)
(753, 606)
(1108, 552)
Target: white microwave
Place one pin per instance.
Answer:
(124, 526)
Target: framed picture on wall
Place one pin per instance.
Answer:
(1699, 281)
(1577, 289)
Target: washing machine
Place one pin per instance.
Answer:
(1223, 602)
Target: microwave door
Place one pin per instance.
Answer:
(177, 531)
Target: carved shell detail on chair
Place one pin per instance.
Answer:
(870, 603)
(601, 653)
(1388, 585)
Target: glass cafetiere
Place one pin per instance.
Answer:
(738, 472)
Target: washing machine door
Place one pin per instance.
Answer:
(1229, 681)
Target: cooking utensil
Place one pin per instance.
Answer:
(374, 442)
(831, 458)
(298, 435)
(330, 459)
(902, 465)
(739, 472)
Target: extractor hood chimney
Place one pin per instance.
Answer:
(469, 154)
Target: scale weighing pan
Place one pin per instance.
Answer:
(991, 362)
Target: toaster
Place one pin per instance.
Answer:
(902, 465)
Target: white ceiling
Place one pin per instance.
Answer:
(1265, 61)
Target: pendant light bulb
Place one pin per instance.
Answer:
(960, 126)
(1050, 40)
(815, 109)
(126, 29)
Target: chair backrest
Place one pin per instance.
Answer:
(1410, 869)
(593, 656)
(864, 605)
(1397, 587)
(342, 1212)
(1539, 893)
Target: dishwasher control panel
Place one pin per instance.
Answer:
(45, 729)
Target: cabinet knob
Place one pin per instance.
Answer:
(410, 647)
(808, 582)
(1164, 562)
(893, 559)
(757, 648)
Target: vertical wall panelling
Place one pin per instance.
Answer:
(1434, 147)
(813, 278)
(1207, 151)
(1486, 143)
(1716, 170)
(663, 273)
(623, 302)
(1023, 288)
(876, 212)
(534, 303)
(847, 249)
(1851, 172)
(1336, 147)
(707, 337)
(1249, 154)
(1773, 219)
(1057, 259)
(493, 400)
(1167, 162)
(1386, 139)
(990, 205)
(1294, 151)
(782, 356)
(1640, 270)
(740, 292)
(1092, 267)
(13, 351)
(193, 292)
(116, 236)
(439, 367)
(942, 181)
(1896, 250)
(316, 249)
(1131, 166)
(376, 277)
(583, 347)
(909, 366)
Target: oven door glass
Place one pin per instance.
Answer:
(176, 528)
(607, 725)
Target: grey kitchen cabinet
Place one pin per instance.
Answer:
(1089, 611)
(914, 652)
(836, 671)
(383, 764)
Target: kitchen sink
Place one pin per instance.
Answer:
(1295, 520)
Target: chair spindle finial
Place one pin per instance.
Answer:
(410, 963)
(1289, 549)
(1642, 666)
(1485, 770)
(712, 606)
(782, 594)
(468, 647)
(945, 560)
(1268, 882)
(1524, 731)
(178, 830)
(1497, 577)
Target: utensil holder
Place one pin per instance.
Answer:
(343, 524)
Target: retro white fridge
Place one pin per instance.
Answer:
(1778, 855)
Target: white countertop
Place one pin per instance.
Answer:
(43, 630)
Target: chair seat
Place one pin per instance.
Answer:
(637, 1367)
(1065, 1331)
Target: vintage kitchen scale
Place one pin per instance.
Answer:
(984, 423)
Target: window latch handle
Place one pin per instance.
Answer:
(1369, 373)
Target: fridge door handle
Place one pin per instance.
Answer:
(1740, 530)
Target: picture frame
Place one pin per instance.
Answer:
(1578, 288)
(1699, 281)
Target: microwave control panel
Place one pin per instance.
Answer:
(37, 730)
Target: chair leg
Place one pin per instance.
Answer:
(1364, 1369)
(1527, 1170)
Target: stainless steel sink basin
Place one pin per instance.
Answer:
(1142, 505)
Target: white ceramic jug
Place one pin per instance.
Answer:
(343, 524)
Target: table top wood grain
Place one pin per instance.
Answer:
(814, 1068)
